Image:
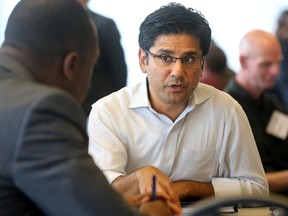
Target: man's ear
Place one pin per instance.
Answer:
(202, 63)
(70, 65)
(143, 59)
(202, 66)
(243, 61)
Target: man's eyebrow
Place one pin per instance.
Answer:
(165, 51)
(169, 52)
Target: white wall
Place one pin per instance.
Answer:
(6, 7)
(229, 21)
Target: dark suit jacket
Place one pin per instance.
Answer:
(110, 72)
(44, 163)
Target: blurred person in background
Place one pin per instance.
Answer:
(215, 70)
(281, 87)
(260, 57)
(110, 72)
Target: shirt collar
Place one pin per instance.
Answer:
(140, 98)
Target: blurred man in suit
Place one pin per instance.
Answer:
(110, 72)
(45, 69)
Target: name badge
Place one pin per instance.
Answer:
(278, 125)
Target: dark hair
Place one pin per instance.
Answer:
(175, 18)
(282, 25)
(48, 29)
(216, 59)
(282, 20)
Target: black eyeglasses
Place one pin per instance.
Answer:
(163, 60)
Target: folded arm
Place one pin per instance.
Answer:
(140, 181)
(192, 190)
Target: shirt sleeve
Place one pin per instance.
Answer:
(240, 161)
(105, 147)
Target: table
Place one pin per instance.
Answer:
(253, 211)
(248, 206)
(257, 211)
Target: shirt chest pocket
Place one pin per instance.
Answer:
(197, 165)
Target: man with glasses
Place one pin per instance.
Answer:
(194, 138)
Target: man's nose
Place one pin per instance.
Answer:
(177, 68)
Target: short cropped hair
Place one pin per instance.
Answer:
(48, 29)
(175, 18)
(216, 59)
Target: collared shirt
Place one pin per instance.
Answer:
(210, 141)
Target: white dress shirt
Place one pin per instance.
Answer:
(211, 140)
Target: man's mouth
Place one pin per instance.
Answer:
(176, 87)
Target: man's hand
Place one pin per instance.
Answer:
(163, 184)
(158, 207)
(161, 206)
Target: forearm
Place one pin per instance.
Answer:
(193, 189)
(278, 181)
(126, 185)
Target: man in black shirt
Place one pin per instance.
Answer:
(260, 56)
